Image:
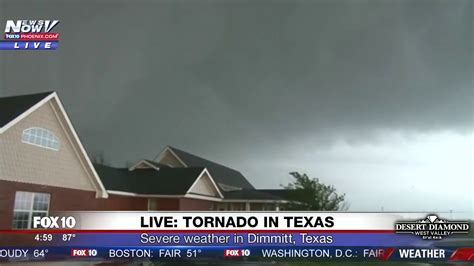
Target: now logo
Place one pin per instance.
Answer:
(30, 26)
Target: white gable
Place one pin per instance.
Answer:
(168, 157)
(204, 186)
(65, 166)
(143, 164)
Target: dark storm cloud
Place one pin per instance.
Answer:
(228, 78)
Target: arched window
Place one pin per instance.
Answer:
(40, 137)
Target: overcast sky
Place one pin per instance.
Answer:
(375, 97)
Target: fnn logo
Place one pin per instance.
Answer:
(30, 35)
(30, 26)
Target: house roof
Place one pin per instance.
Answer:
(250, 194)
(166, 181)
(170, 181)
(220, 173)
(149, 163)
(12, 107)
(281, 193)
(156, 164)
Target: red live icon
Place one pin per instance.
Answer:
(232, 253)
(75, 252)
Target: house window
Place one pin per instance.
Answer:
(40, 137)
(27, 206)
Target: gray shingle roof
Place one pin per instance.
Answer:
(12, 107)
(281, 193)
(156, 164)
(220, 173)
(250, 194)
(166, 181)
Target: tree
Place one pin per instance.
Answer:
(307, 193)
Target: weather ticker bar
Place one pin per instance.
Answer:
(248, 236)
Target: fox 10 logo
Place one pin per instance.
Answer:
(30, 35)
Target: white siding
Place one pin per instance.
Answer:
(27, 163)
(204, 186)
(169, 159)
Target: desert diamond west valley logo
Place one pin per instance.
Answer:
(432, 227)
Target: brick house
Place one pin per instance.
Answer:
(44, 168)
